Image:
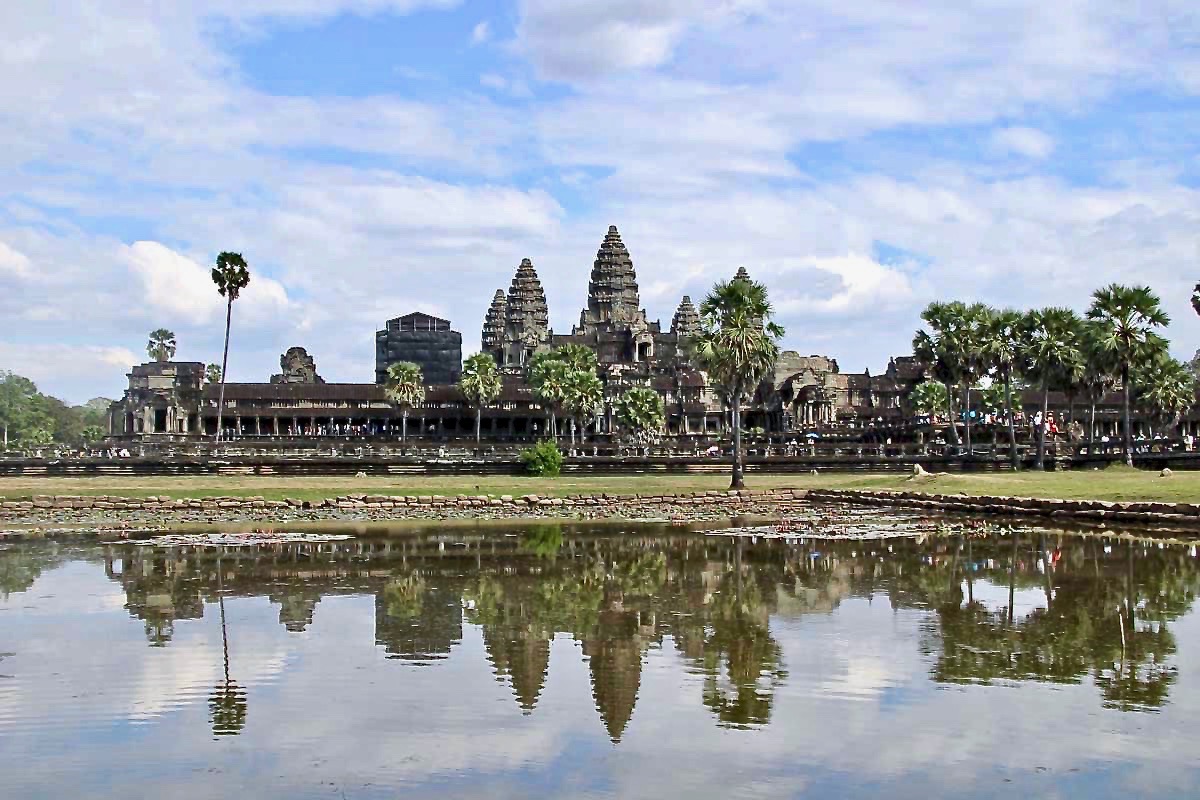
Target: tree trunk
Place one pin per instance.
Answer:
(6, 436)
(553, 424)
(950, 414)
(967, 415)
(1092, 429)
(1013, 455)
(224, 366)
(1128, 437)
(572, 431)
(404, 428)
(737, 481)
(1041, 431)
(479, 424)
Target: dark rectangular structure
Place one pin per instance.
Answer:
(425, 340)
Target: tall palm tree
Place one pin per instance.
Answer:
(231, 275)
(969, 329)
(1127, 317)
(405, 388)
(737, 346)
(227, 704)
(161, 346)
(1002, 336)
(582, 394)
(548, 377)
(1166, 388)
(937, 349)
(212, 373)
(1053, 353)
(480, 385)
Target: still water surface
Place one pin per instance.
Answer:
(601, 662)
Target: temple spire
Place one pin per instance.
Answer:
(613, 289)
(686, 323)
(493, 324)
(742, 275)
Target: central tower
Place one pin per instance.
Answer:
(613, 289)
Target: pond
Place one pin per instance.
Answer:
(599, 661)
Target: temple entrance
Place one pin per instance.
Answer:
(160, 420)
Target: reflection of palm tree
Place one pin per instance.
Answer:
(227, 705)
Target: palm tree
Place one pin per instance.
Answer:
(641, 411)
(212, 373)
(582, 393)
(404, 387)
(1002, 336)
(1053, 353)
(969, 331)
(161, 346)
(227, 705)
(231, 275)
(737, 346)
(1196, 298)
(480, 385)
(1127, 317)
(938, 350)
(548, 377)
(1166, 387)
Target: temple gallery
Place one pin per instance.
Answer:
(172, 400)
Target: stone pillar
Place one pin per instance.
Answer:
(237, 424)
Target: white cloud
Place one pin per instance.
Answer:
(481, 32)
(1028, 142)
(13, 262)
(74, 372)
(176, 285)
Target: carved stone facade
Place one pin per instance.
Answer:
(526, 320)
(297, 367)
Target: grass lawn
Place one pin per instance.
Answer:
(1115, 483)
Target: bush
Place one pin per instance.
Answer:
(543, 459)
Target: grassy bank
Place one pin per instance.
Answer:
(1116, 483)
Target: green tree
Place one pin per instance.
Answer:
(640, 411)
(404, 387)
(738, 345)
(1166, 388)
(212, 373)
(928, 397)
(937, 349)
(1002, 337)
(1126, 319)
(17, 395)
(548, 377)
(92, 434)
(231, 274)
(1053, 353)
(582, 394)
(161, 345)
(480, 385)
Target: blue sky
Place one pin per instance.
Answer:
(372, 157)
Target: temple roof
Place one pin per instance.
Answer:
(493, 323)
(613, 289)
(527, 299)
(686, 322)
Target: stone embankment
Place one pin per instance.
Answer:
(710, 505)
(1150, 513)
(76, 509)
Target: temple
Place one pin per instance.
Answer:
(171, 401)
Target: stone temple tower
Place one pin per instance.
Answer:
(526, 317)
(613, 289)
(686, 322)
(492, 340)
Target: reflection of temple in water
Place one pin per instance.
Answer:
(1105, 615)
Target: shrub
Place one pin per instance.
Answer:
(543, 459)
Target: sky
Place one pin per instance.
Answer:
(375, 157)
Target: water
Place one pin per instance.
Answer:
(601, 662)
